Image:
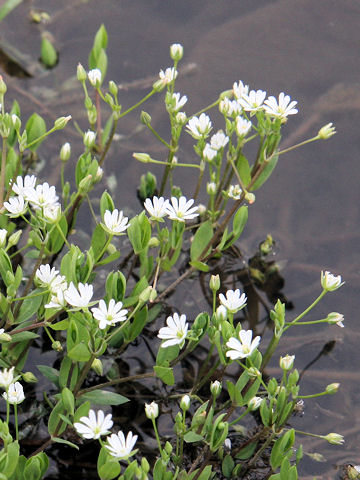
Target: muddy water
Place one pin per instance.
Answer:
(307, 49)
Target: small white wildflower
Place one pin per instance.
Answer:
(94, 425)
(280, 108)
(94, 77)
(234, 192)
(177, 102)
(209, 153)
(114, 222)
(22, 184)
(330, 282)
(175, 332)
(152, 410)
(242, 126)
(79, 297)
(334, 438)
(234, 300)
(168, 76)
(16, 206)
(181, 118)
(109, 315)
(42, 196)
(119, 447)
(156, 207)
(253, 101)
(45, 275)
(6, 375)
(199, 127)
(326, 131)
(336, 318)
(57, 300)
(254, 403)
(287, 362)
(180, 209)
(176, 51)
(240, 89)
(52, 213)
(3, 233)
(219, 140)
(15, 393)
(243, 348)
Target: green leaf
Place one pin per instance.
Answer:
(79, 353)
(165, 374)
(239, 222)
(12, 457)
(109, 470)
(35, 128)
(23, 336)
(29, 307)
(247, 451)
(65, 442)
(202, 237)
(244, 170)
(227, 466)
(138, 324)
(104, 397)
(7, 7)
(106, 203)
(49, 55)
(50, 373)
(62, 325)
(55, 424)
(266, 173)
(139, 232)
(200, 266)
(191, 437)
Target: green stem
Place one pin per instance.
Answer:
(307, 310)
(298, 145)
(154, 132)
(137, 104)
(16, 422)
(2, 175)
(157, 435)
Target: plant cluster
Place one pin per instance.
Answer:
(47, 290)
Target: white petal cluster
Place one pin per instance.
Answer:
(57, 300)
(243, 348)
(21, 185)
(94, 425)
(6, 376)
(175, 332)
(242, 126)
(94, 77)
(235, 192)
(152, 410)
(330, 282)
(45, 275)
(177, 101)
(240, 90)
(156, 207)
(253, 101)
(16, 206)
(230, 107)
(280, 108)
(199, 127)
(209, 153)
(168, 76)
(119, 446)
(180, 209)
(233, 301)
(3, 233)
(176, 51)
(42, 196)
(219, 140)
(15, 393)
(109, 315)
(79, 297)
(115, 222)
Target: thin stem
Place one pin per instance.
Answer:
(2, 175)
(137, 104)
(298, 145)
(157, 435)
(16, 422)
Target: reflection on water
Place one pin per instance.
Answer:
(307, 49)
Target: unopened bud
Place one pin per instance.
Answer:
(176, 51)
(254, 403)
(86, 184)
(97, 366)
(185, 403)
(326, 131)
(57, 346)
(250, 198)
(113, 89)
(221, 313)
(3, 233)
(332, 388)
(16, 121)
(214, 282)
(89, 139)
(287, 362)
(142, 157)
(145, 118)
(211, 188)
(152, 410)
(4, 337)
(81, 73)
(61, 122)
(14, 238)
(215, 388)
(335, 318)
(334, 438)
(65, 152)
(94, 77)
(3, 87)
(146, 294)
(181, 118)
(29, 377)
(253, 372)
(153, 242)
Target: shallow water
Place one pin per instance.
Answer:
(307, 49)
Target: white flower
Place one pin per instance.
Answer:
(22, 184)
(209, 153)
(7, 375)
(254, 403)
(156, 207)
(16, 206)
(109, 315)
(15, 393)
(281, 108)
(94, 426)
(221, 313)
(45, 275)
(79, 298)
(115, 222)
(243, 348)
(94, 76)
(168, 76)
(175, 332)
(253, 101)
(120, 447)
(177, 102)
(240, 89)
(185, 402)
(287, 362)
(3, 233)
(219, 140)
(330, 282)
(242, 126)
(235, 192)
(152, 410)
(176, 51)
(336, 318)
(230, 107)
(52, 213)
(89, 138)
(199, 127)
(180, 209)
(57, 300)
(42, 196)
(234, 300)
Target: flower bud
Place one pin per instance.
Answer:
(113, 88)
(153, 242)
(5, 337)
(221, 313)
(326, 131)
(214, 283)
(142, 157)
(353, 472)
(146, 295)
(253, 372)
(81, 73)
(89, 139)
(14, 238)
(330, 282)
(250, 198)
(145, 118)
(332, 388)
(94, 77)
(287, 362)
(185, 403)
(99, 175)
(152, 410)
(176, 51)
(61, 122)
(86, 184)
(334, 438)
(57, 346)
(211, 188)
(65, 152)
(29, 377)
(254, 403)
(3, 87)
(215, 388)
(16, 121)
(227, 443)
(201, 209)
(335, 318)
(97, 366)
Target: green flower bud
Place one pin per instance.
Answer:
(332, 388)
(176, 51)
(89, 139)
(3, 87)
(215, 388)
(326, 131)
(29, 377)
(152, 410)
(86, 184)
(287, 362)
(5, 337)
(81, 73)
(65, 152)
(334, 438)
(214, 283)
(142, 157)
(145, 118)
(97, 366)
(57, 346)
(185, 403)
(146, 294)
(113, 89)
(61, 122)
(14, 238)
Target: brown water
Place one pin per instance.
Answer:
(310, 205)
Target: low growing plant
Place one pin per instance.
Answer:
(47, 291)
